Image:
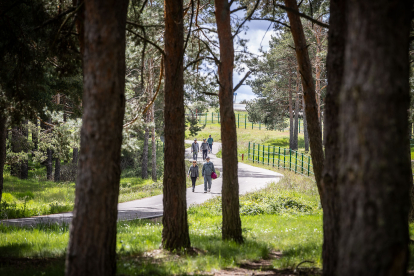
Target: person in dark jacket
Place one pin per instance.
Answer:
(195, 148)
(204, 148)
(208, 168)
(210, 144)
(193, 173)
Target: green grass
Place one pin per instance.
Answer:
(31, 197)
(290, 228)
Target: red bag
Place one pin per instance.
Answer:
(213, 175)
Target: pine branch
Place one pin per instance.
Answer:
(304, 16)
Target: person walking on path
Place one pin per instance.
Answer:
(193, 173)
(210, 143)
(208, 168)
(195, 148)
(204, 147)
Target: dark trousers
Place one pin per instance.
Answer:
(204, 154)
(194, 179)
(211, 147)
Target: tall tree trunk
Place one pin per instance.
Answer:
(175, 233)
(375, 177)
(75, 155)
(16, 148)
(24, 166)
(92, 241)
(296, 129)
(335, 70)
(154, 146)
(57, 170)
(291, 138)
(305, 69)
(231, 229)
(305, 127)
(35, 138)
(3, 132)
(144, 171)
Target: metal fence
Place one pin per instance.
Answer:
(242, 121)
(281, 158)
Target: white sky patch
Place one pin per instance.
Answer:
(258, 37)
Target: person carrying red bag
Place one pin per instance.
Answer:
(208, 169)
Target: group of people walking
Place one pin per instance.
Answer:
(206, 147)
(208, 171)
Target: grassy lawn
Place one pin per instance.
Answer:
(284, 217)
(34, 197)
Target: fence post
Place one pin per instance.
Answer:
(308, 164)
(273, 156)
(278, 159)
(302, 163)
(268, 152)
(248, 152)
(290, 159)
(258, 153)
(263, 160)
(238, 120)
(296, 162)
(254, 146)
(284, 158)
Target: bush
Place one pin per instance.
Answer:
(267, 201)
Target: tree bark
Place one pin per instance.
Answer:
(3, 131)
(154, 146)
(231, 228)
(57, 170)
(375, 177)
(92, 241)
(291, 138)
(175, 234)
(335, 71)
(296, 129)
(75, 155)
(305, 70)
(305, 127)
(24, 165)
(144, 170)
(35, 139)
(16, 148)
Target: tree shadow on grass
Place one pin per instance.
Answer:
(30, 266)
(15, 250)
(209, 252)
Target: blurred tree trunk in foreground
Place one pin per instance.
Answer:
(92, 241)
(375, 177)
(335, 69)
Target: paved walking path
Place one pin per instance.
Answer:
(250, 179)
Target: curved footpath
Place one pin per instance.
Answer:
(250, 179)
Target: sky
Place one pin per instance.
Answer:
(255, 34)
